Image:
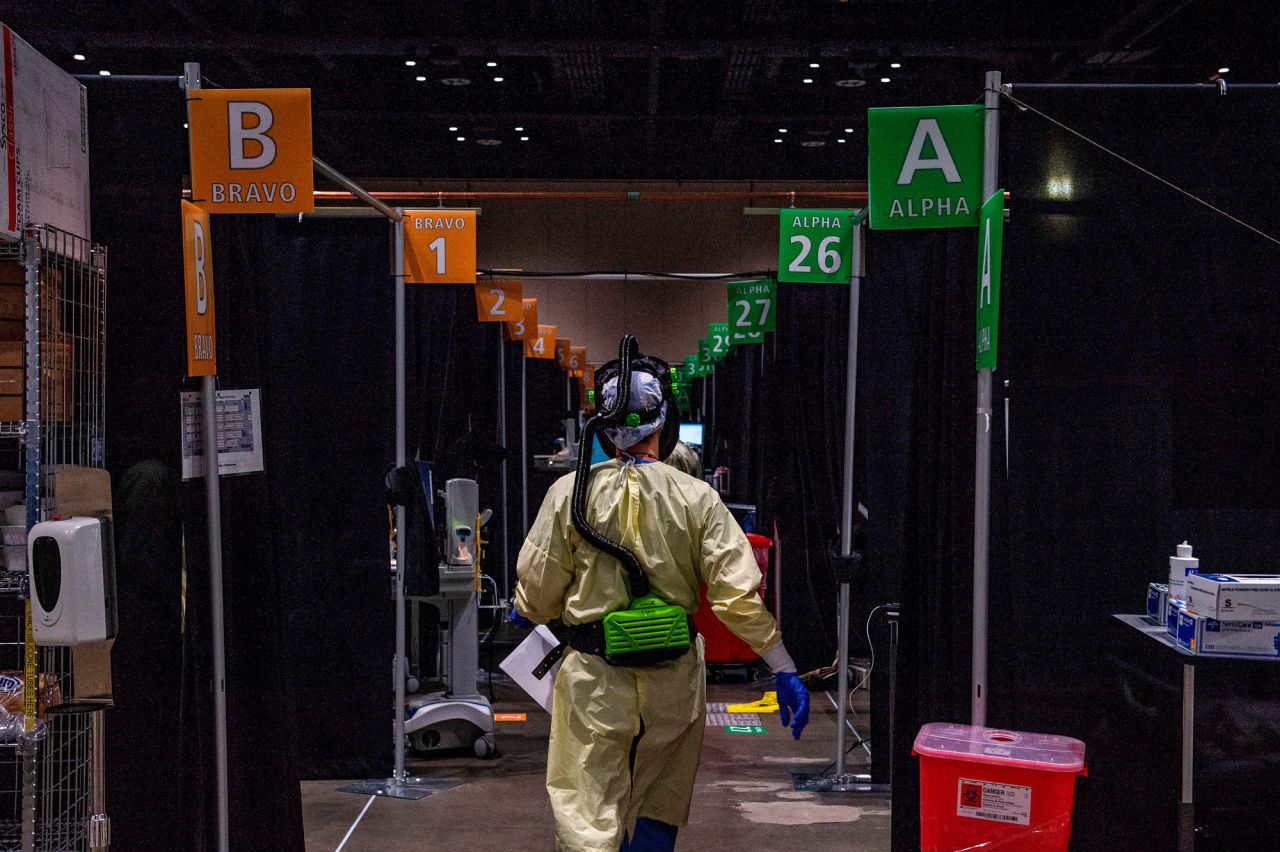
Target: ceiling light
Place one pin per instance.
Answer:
(1059, 186)
(884, 79)
(848, 130)
(782, 130)
(524, 138)
(777, 140)
(808, 79)
(455, 81)
(1224, 70)
(491, 64)
(462, 139)
(497, 79)
(895, 64)
(186, 126)
(850, 82)
(453, 130)
(104, 73)
(841, 141)
(518, 129)
(489, 143)
(411, 62)
(78, 57)
(815, 65)
(420, 79)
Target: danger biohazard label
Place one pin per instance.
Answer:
(998, 802)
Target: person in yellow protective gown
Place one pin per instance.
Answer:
(625, 741)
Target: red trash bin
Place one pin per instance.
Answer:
(720, 645)
(986, 788)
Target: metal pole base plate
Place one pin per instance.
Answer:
(850, 783)
(407, 788)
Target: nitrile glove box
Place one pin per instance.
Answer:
(1157, 599)
(1172, 609)
(1208, 637)
(1235, 597)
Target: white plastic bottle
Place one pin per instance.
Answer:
(1179, 567)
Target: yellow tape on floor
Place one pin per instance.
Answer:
(768, 703)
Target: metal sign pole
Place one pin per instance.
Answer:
(843, 781)
(502, 440)
(982, 454)
(398, 775)
(524, 445)
(213, 500)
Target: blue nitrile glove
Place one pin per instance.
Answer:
(515, 619)
(793, 702)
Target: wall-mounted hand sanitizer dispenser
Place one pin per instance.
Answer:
(71, 565)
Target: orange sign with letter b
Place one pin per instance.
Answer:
(251, 150)
(197, 264)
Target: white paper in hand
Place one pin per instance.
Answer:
(521, 662)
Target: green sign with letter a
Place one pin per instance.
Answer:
(815, 246)
(924, 166)
(718, 334)
(990, 243)
(751, 310)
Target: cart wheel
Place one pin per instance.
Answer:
(484, 746)
(424, 740)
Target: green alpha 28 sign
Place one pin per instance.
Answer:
(990, 241)
(924, 166)
(751, 310)
(815, 245)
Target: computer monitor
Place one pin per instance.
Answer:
(691, 434)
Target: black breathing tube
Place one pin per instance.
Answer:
(614, 414)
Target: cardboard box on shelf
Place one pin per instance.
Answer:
(57, 370)
(1235, 597)
(1209, 637)
(13, 300)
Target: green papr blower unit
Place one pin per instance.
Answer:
(649, 630)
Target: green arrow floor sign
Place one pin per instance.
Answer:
(990, 242)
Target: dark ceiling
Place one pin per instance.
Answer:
(608, 88)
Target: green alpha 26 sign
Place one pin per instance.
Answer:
(924, 166)
(815, 245)
(990, 241)
(751, 310)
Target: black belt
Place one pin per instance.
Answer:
(588, 638)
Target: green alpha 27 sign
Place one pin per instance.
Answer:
(924, 166)
(815, 246)
(990, 242)
(751, 310)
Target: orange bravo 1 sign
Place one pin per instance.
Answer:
(197, 262)
(440, 246)
(251, 150)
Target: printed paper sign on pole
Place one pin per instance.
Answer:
(251, 150)
(815, 246)
(751, 310)
(542, 343)
(526, 325)
(499, 301)
(924, 166)
(197, 263)
(990, 242)
(440, 246)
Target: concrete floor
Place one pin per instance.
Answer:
(743, 800)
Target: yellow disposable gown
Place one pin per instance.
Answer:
(684, 536)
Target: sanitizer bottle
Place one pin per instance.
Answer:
(1179, 567)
